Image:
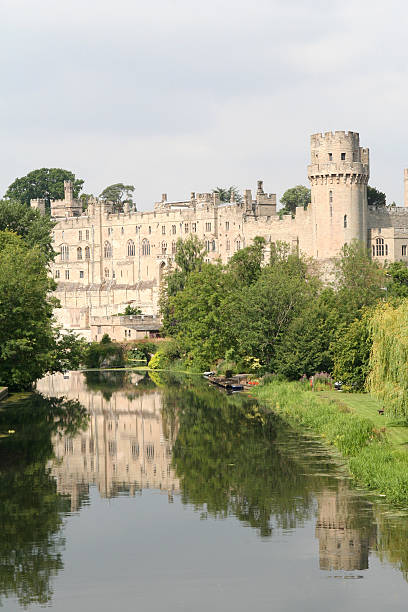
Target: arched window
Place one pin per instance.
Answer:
(379, 247)
(87, 253)
(164, 248)
(131, 249)
(173, 247)
(106, 272)
(65, 252)
(79, 253)
(145, 247)
(107, 250)
(345, 221)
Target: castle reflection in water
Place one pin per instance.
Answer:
(127, 447)
(124, 447)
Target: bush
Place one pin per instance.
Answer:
(104, 354)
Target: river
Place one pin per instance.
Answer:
(122, 491)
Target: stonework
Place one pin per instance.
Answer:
(107, 260)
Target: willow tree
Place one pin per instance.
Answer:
(388, 378)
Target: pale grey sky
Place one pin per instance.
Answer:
(184, 95)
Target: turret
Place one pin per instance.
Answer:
(338, 174)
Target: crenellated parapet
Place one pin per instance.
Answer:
(338, 157)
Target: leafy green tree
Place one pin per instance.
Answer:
(245, 265)
(118, 194)
(84, 199)
(375, 197)
(31, 225)
(360, 281)
(351, 354)
(295, 196)
(397, 273)
(45, 183)
(226, 194)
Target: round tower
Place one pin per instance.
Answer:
(338, 175)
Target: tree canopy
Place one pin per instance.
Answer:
(118, 194)
(295, 196)
(375, 197)
(225, 194)
(30, 224)
(44, 183)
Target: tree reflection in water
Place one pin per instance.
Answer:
(31, 510)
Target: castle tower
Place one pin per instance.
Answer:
(68, 192)
(406, 187)
(338, 175)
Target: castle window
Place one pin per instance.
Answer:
(87, 253)
(66, 274)
(213, 245)
(81, 274)
(57, 272)
(373, 251)
(135, 449)
(164, 248)
(404, 250)
(186, 228)
(64, 252)
(194, 227)
(227, 246)
(163, 229)
(62, 235)
(238, 245)
(110, 231)
(226, 226)
(386, 249)
(122, 231)
(345, 221)
(80, 235)
(173, 247)
(331, 202)
(343, 157)
(145, 247)
(330, 156)
(330, 196)
(207, 245)
(150, 229)
(379, 247)
(208, 227)
(107, 250)
(131, 249)
(79, 253)
(86, 234)
(106, 272)
(173, 229)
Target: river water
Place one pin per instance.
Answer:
(124, 492)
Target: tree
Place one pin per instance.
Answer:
(118, 194)
(45, 183)
(375, 197)
(30, 224)
(397, 273)
(351, 354)
(225, 194)
(245, 265)
(295, 196)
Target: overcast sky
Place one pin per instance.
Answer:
(184, 95)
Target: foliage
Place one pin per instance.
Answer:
(397, 273)
(295, 196)
(375, 197)
(26, 334)
(30, 224)
(118, 194)
(351, 353)
(245, 265)
(225, 195)
(104, 354)
(45, 183)
(388, 377)
(132, 310)
(167, 354)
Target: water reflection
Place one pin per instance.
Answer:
(124, 432)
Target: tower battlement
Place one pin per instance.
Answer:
(338, 153)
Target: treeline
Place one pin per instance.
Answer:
(269, 310)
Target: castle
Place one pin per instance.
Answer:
(107, 260)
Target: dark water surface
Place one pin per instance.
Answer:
(119, 492)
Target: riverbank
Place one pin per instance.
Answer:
(374, 453)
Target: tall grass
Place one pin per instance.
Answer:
(370, 458)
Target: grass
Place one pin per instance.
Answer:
(373, 445)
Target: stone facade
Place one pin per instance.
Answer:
(107, 260)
